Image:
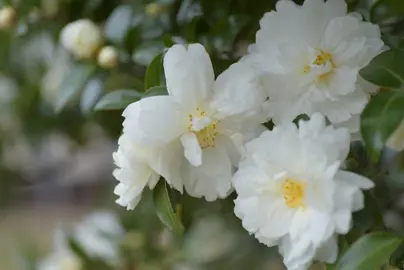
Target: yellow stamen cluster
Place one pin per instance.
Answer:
(322, 58)
(206, 136)
(293, 193)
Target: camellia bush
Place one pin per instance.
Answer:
(284, 118)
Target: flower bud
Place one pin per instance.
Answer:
(108, 57)
(154, 9)
(396, 140)
(82, 38)
(8, 16)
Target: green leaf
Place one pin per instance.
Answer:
(92, 93)
(386, 69)
(118, 24)
(118, 100)
(383, 10)
(370, 252)
(154, 71)
(156, 91)
(397, 258)
(73, 84)
(146, 52)
(164, 208)
(379, 120)
(168, 41)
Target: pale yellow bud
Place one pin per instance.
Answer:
(8, 17)
(108, 57)
(154, 9)
(396, 140)
(82, 38)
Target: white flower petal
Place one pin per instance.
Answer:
(168, 162)
(355, 179)
(189, 74)
(237, 91)
(192, 149)
(328, 252)
(155, 120)
(212, 179)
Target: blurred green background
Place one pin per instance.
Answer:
(55, 149)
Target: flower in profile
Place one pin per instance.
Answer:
(292, 192)
(82, 38)
(309, 56)
(133, 172)
(195, 134)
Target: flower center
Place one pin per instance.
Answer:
(322, 66)
(204, 127)
(293, 193)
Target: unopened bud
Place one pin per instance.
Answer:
(154, 9)
(108, 57)
(82, 38)
(8, 16)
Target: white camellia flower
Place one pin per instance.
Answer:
(62, 258)
(99, 236)
(194, 135)
(308, 58)
(133, 172)
(292, 192)
(82, 38)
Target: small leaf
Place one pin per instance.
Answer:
(379, 120)
(73, 84)
(118, 100)
(164, 208)
(168, 41)
(146, 52)
(370, 252)
(154, 71)
(386, 69)
(91, 93)
(118, 24)
(156, 91)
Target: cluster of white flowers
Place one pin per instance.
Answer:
(205, 135)
(98, 236)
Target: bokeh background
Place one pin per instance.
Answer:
(56, 150)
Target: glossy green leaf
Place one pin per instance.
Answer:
(164, 208)
(156, 91)
(380, 119)
(118, 100)
(370, 252)
(73, 84)
(118, 24)
(386, 69)
(154, 72)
